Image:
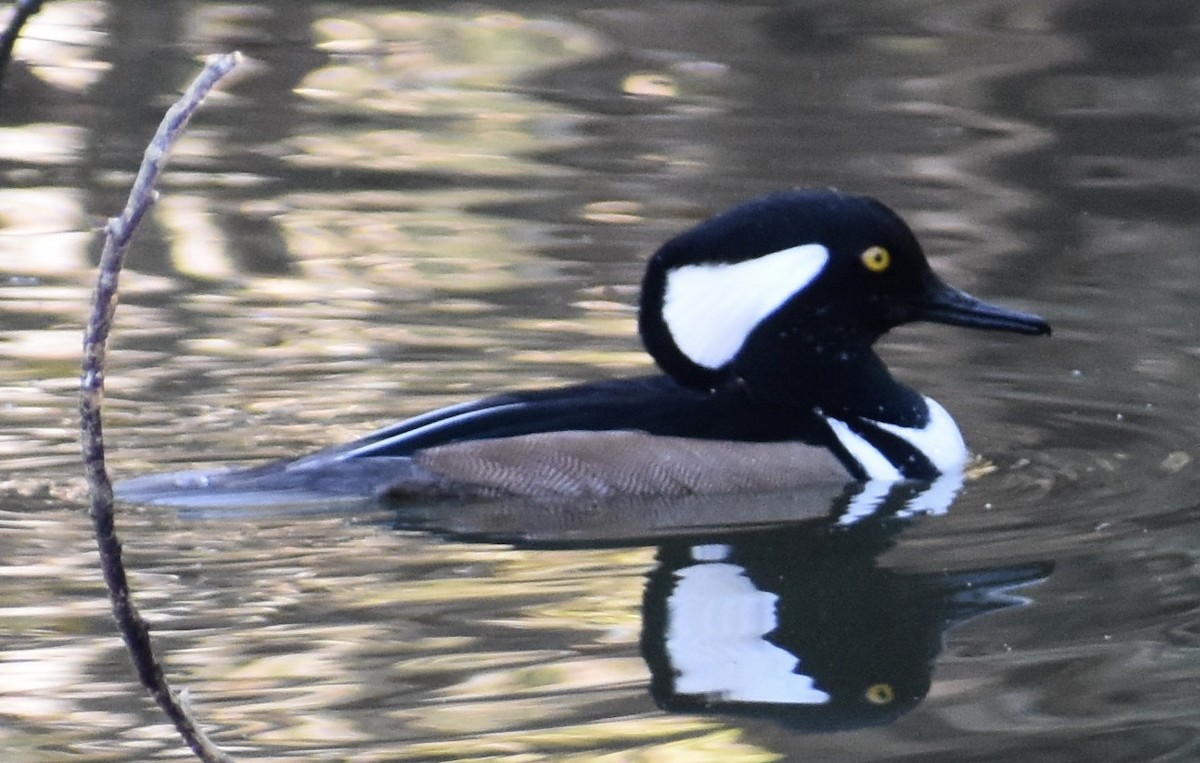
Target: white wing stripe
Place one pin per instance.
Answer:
(460, 418)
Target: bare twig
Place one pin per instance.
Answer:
(8, 36)
(119, 231)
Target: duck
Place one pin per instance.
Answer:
(762, 322)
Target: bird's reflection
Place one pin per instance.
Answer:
(801, 624)
(785, 614)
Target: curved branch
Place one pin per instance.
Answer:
(119, 231)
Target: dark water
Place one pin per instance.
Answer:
(398, 208)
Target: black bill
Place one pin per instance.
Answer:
(945, 304)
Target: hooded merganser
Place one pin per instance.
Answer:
(763, 320)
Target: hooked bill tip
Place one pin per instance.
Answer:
(949, 305)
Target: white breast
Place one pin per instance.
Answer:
(939, 440)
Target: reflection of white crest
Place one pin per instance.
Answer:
(710, 309)
(715, 628)
(935, 499)
(867, 502)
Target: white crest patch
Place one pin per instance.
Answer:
(711, 309)
(715, 639)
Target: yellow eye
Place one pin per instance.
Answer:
(876, 259)
(880, 694)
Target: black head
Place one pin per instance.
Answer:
(796, 273)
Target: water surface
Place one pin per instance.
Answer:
(404, 206)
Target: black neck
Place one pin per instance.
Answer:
(842, 381)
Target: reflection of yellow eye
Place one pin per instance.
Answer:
(880, 694)
(876, 259)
